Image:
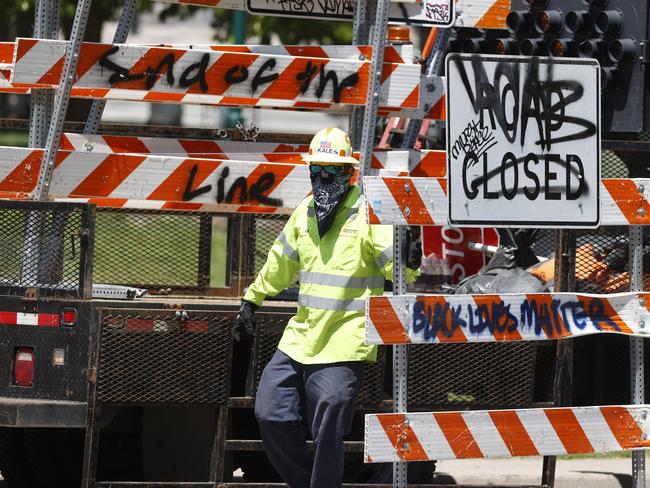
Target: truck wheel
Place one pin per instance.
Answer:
(55, 456)
(14, 464)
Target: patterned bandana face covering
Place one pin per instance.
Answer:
(329, 193)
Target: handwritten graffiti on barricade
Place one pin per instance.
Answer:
(195, 76)
(438, 11)
(517, 102)
(238, 191)
(436, 318)
(336, 7)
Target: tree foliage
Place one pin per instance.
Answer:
(17, 19)
(264, 30)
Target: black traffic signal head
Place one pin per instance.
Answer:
(612, 31)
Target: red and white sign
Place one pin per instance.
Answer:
(451, 244)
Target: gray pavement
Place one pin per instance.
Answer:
(574, 473)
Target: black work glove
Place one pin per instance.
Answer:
(413, 248)
(244, 327)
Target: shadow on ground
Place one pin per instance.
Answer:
(625, 480)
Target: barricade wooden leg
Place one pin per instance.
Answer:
(218, 462)
(91, 446)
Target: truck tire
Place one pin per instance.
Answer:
(55, 456)
(14, 464)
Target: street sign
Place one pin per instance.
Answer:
(453, 246)
(523, 140)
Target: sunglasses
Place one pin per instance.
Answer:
(317, 169)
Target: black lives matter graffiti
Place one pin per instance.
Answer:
(554, 318)
(315, 76)
(516, 102)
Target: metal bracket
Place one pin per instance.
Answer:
(247, 134)
(644, 48)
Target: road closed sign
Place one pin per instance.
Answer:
(523, 141)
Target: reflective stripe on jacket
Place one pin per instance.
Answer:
(336, 276)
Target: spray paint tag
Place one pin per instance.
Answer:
(438, 11)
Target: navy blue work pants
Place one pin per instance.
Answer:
(291, 394)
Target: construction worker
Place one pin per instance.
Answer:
(316, 372)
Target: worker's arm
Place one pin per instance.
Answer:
(280, 268)
(382, 242)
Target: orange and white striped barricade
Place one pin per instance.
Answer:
(7, 52)
(7, 87)
(170, 146)
(483, 14)
(399, 53)
(419, 163)
(158, 182)
(506, 433)
(6, 65)
(432, 90)
(432, 102)
(260, 184)
(161, 74)
(423, 201)
(504, 318)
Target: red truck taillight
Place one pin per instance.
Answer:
(68, 316)
(24, 367)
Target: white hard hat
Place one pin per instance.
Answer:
(331, 145)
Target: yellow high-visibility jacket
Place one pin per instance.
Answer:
(336, 276)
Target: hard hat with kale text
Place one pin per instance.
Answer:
(331, 145)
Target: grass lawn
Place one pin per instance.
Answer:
(156, 249)
(608, 455)
(16, 138)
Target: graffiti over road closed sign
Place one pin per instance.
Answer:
(426, 12)
(523, 141)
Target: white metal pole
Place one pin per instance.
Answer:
(637, 366)
(46, 23)
(400, 353)
(121, 33)
(378, 40)
(62, 98)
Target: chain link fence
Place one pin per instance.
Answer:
(156, 250)
(268, 334)
(45, 246)
(178, 251)
(164, 356)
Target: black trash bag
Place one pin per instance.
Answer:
(501, 275)
(517, 254)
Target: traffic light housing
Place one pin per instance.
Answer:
(614, 32)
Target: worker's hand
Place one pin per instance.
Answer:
(244, 327)
(413, 248)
